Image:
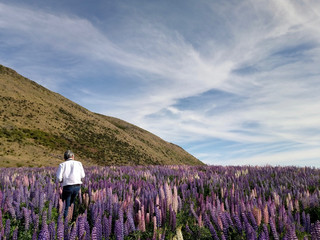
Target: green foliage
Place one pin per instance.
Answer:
(197, 233)
(314, 213)
(22, 135)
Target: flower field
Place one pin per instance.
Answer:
(164, 202)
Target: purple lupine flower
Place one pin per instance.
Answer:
(119, 230)
(41, 202)
(7, 229)
(253, 220)
(15, 234)
(228, 217)
(304, 221)
(98, 227)
(60, 228)
(73, 233)
(126, 228)
(94, 234)
(157, 212)
(87, 228)
(188, 230)
(34, 235)
(50, 210)
(130, 220)
(250, 232)
(291, 233)
(11, 210)
(224, 220)
(315, 231)
(107, 226)
(273, 229)
(66, 230)
(280, 225)
(104, 227)
(297, 218)
(36, 222)
(211, 228)
(308, 223)
(262, 236)
(26, 215)
(265, 229)
(174, 221)
(1, 225)
(1, 198)
(81, 226)
(192, 211)
(52, 230)
(44, 233)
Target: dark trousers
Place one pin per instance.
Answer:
(69, 195)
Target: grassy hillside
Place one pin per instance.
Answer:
(38, 125)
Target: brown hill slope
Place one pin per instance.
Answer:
(38, 125)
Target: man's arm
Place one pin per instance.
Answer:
(82, 172)
(59, 173)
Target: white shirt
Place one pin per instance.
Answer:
(70, 172)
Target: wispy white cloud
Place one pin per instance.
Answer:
(264, 72)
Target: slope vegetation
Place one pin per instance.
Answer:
(38, 125)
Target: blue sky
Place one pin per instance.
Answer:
(232, 82)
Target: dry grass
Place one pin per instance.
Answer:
(38, 125)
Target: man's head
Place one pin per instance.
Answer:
(68, 154)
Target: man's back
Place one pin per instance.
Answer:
(70, 172)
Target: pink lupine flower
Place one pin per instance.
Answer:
(257, 215)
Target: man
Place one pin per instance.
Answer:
(70, 174)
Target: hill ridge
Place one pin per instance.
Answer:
(38, 125)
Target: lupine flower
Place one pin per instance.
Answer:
(26, 215)
(87, 228)
(52, 230)
(60, 228)
(308, 223)
(253, 220)
(70, 213)
(262, 236)
(219, 222)
(15, 234)
(44, 233)
(175, 199)
(81, 226)
(119, 230)
(210, 226)
(179, 233)
(61, 206)
(130, 219)
(265, 230)
(315, 230)
(36, 222)
(109, 191)
(238, 223)
(158, 217)
(34, 236)
(257, 215)
(273, 229)
(50, 210)
(73, 233)
(291, 233)
(66, 229)
(7, 229)
(11, 210)
(98, 227)
(168, 193)
(41, 202)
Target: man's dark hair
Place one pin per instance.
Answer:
(68, 154)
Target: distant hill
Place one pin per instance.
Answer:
(38, 125)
